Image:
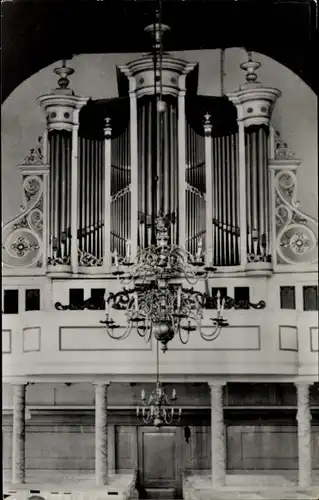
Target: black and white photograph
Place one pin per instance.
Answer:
(159, 172)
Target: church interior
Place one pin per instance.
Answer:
(159, 251)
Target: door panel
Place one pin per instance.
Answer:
(159, 457)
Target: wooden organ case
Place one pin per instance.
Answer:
(109, 181)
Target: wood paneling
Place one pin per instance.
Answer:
(125, 447)
(197, 452)
(266, 447)
(189, 394)
(67, 441)
(159, 456)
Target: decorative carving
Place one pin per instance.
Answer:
(35, 157)
(282, 152)
(88, 260)
(23, 236)
(23, 246)
(120, 301)
(59, 261)
(296, 232)
(251, 257)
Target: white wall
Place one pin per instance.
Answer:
(295, 113)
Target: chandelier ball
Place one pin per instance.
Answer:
(163, 331)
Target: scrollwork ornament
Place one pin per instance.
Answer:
(22, 223)
(297, 237)
(88, 260)
(31, 186)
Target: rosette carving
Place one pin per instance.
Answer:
(23, 236)
(296, 232)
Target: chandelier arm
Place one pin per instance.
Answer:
(183, 341)
(122, 336)
(213, 335)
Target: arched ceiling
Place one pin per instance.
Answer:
(35, 33)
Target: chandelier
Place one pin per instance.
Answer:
(158, 407)
(156, 304)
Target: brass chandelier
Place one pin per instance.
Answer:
(158, 408)
(156, 304)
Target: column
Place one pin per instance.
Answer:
(217, 435)
(18, 434)
(111, 449)
(304, 435)
(101, 441)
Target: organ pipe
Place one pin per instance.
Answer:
(90, 220)
(120, 174)
(258, 200)
(158, 177)
(60, 196)
(225, 181)
(195, 190)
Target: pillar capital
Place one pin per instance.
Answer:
(216, 385)
(98, 383)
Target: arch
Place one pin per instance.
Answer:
(31, 41)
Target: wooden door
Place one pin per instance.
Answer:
(159, 458)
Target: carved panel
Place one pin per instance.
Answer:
(296, 232)
(23, 236)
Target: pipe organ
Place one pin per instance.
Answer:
(109, 182)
